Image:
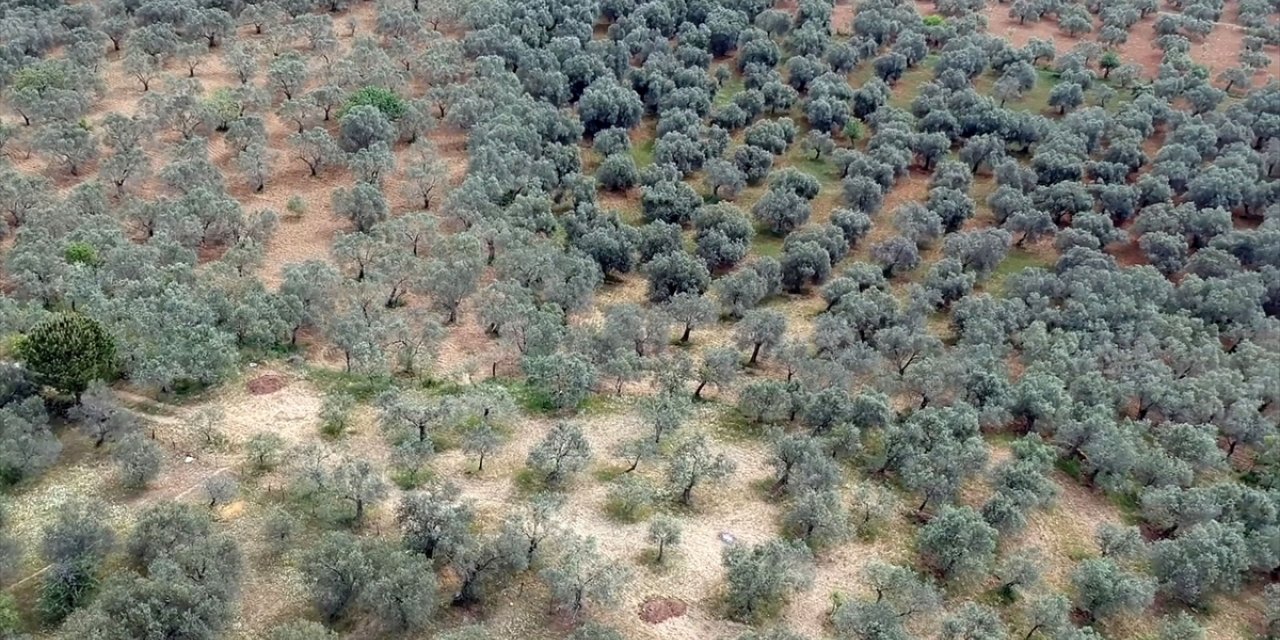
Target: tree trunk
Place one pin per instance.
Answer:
(755, 353)
(697, 393)
(684, 337)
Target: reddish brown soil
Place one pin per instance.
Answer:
(1128, 254)
(1219, 51)
(269, 383)
(658, 610)
(1000, 24)
(1140, 48)
(842, 18)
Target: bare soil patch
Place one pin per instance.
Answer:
(659, 610)
(263, 385)
(1140, 48)
(1221, 50)
(1128, 254)
(1000, 23)
(842, 18)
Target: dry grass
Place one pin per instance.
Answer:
(1064, 534)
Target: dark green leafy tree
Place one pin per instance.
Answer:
(67, 351)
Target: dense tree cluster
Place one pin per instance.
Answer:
(1137, 359)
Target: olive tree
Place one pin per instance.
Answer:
(958, 543)
(693, 463)
(1105, 589)
(665, 533)
(579, 576)
(563, 452)
(760, 330)
(761, 577)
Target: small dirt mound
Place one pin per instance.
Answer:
(270, 383)
(660, 610)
